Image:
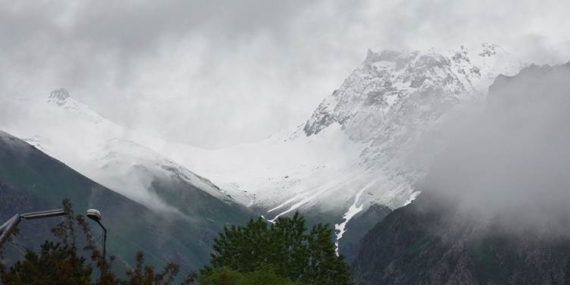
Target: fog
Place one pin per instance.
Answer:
(217, 73)
(513, 159)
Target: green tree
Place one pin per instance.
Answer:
(264, 276)
(145, 275)
(286, 246)
(56, 264)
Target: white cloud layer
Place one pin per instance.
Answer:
(216, 73)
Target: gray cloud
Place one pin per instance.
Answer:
(221, 72)
(513, 161)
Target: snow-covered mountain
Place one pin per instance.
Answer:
(98, 148)
(367, 143)
(395, 98)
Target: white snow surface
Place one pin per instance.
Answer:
(368, 143)
(96, 147)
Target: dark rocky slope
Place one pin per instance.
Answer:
(424, 243)
(358, 227)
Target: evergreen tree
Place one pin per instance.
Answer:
(56, 264)
(285, 246)
(262, 276)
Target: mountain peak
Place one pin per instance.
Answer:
(388, 82)
(59, 96)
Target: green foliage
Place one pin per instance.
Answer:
(285, 246)
(145, 275)
(56, 264)
(223, 276)
(62, 262)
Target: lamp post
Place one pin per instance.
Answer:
(7, 228)
(95, 215)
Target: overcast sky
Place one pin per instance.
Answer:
(220, 72)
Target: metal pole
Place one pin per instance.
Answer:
(43, 214)
(104, 239)
(8, 227)
(4, 225)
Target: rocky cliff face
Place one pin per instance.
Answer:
(495, 206)
(422, 244)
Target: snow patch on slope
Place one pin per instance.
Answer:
(352, 211)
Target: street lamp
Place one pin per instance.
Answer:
(7, 228)
(95, 215)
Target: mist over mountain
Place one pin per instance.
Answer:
(238, 72)
(494, 207)
(430, 136)
(110, 154)
(31, 181)
(514, 159)
(366, 145)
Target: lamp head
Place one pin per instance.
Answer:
(94, 215)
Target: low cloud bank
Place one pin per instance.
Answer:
(513, 161)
